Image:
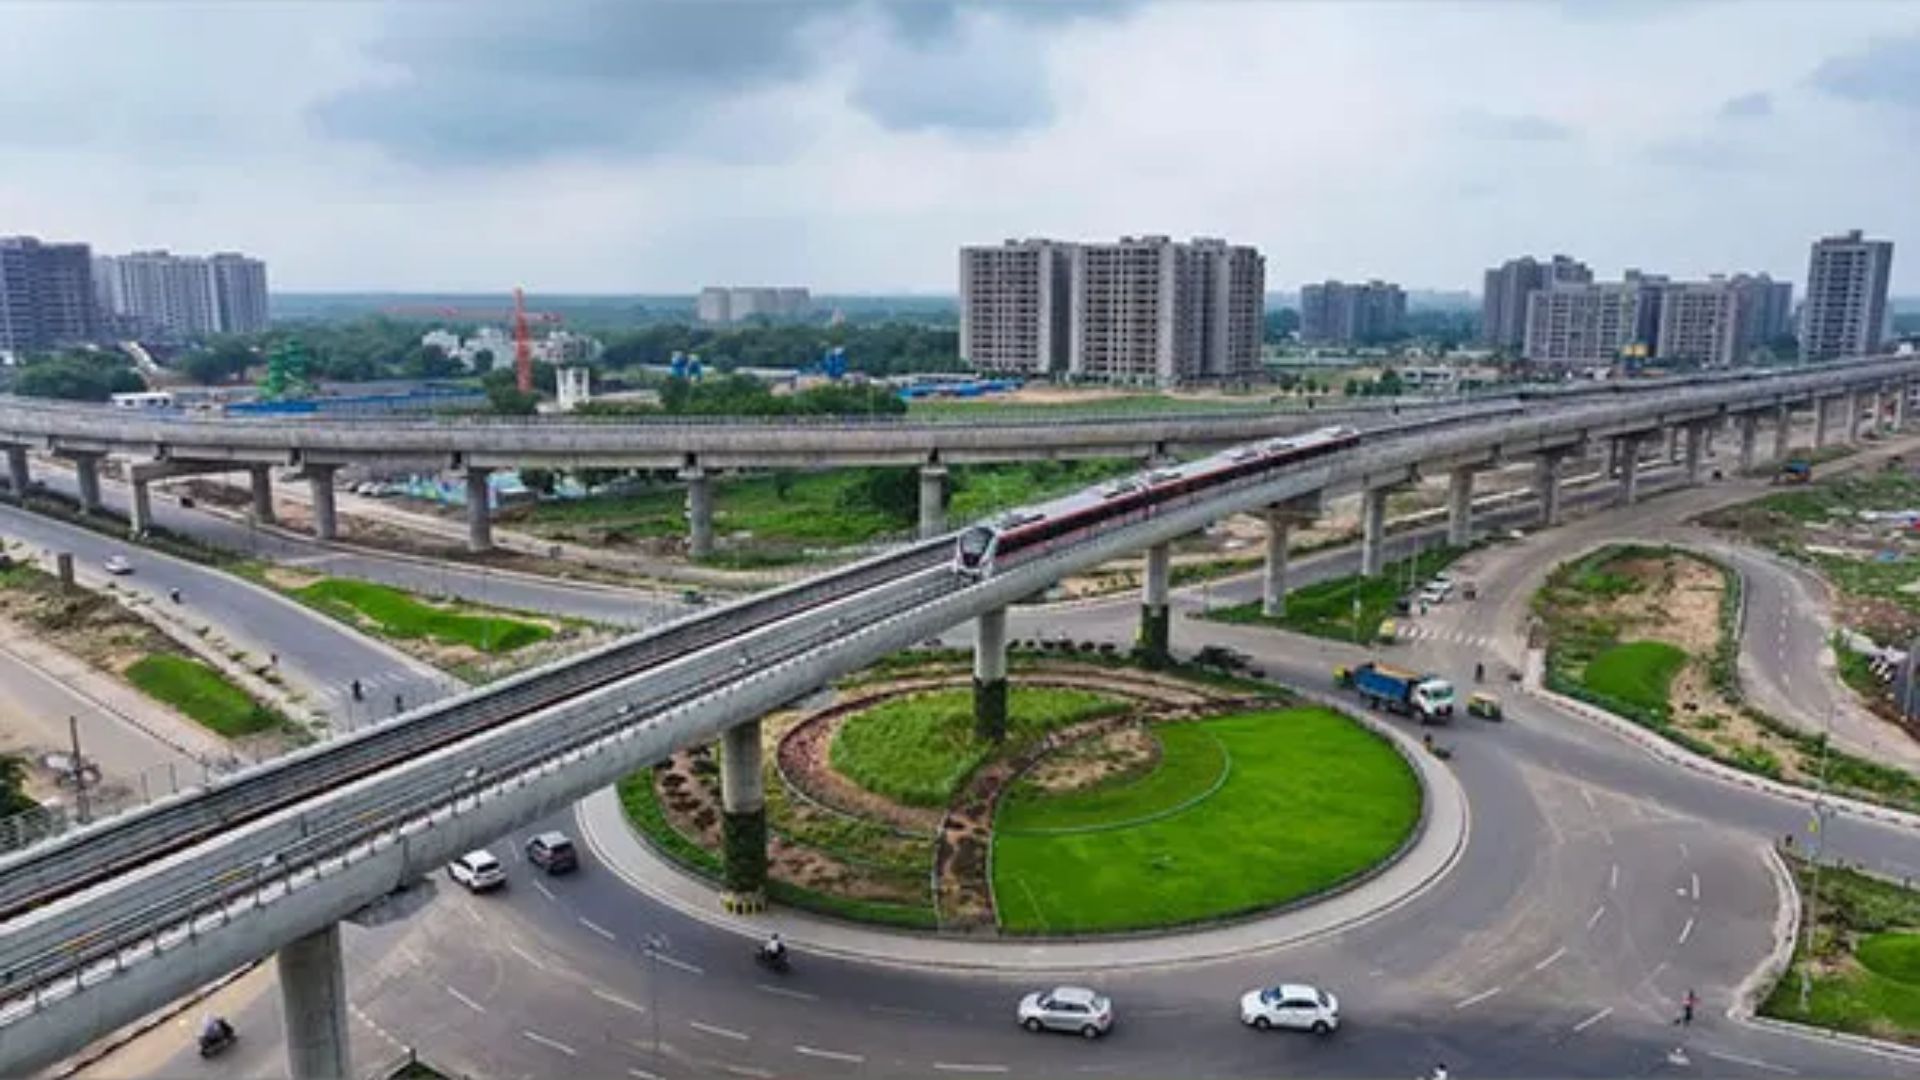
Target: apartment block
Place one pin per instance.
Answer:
(181, 297)
(1015, 306)
(1337, 313)
(1702, 322)
(46, 295)
(1152, 311)
(1845, 311)
(1593, 323)
(720, 305)
(239, 292)
(1505, 289)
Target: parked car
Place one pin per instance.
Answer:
(693, 598)
(1067, 1008)
(117, 564)
(1290, 1005)
(552, 852)
(479, 871)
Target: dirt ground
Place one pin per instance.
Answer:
(1129, 751)
(1679, 602)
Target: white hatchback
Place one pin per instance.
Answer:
(1291, 1005)
(478, 871)
(1067, 1008)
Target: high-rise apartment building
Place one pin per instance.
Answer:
(1702, 322)
(1016, 306)
(1593, 323)
(182, 297)
(240, 290)
(1336, 313)
(1845, 310)
(1505, 289)
(1766, 308)
(46, 295)
(721, 304)
(1152, 311)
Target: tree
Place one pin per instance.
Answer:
(431, 362)
(509, 400)
(223, 361)
(78, 376)
(1281, 324)
(540, 480)
(483, 361)
(13, 784)
(893, 491)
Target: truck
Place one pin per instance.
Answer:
(1382, 686)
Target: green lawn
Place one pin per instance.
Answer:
(1326, 609)
(1636, 672)
(1192, 761)
(1311, 799)
(920, 748)
(402, 615)
(991, 408)
(201, 693)
(1868, 942)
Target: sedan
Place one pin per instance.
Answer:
(479, 871)
(1291, 1005)
(552, 852)
(117, 564)
(1067, 1008)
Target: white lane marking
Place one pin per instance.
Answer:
(616, 999)
(554, 1044)
(544, 891)
(894, 1010)
(748, 1070)
(467, 1001)
(672, 962)
(801, 995)
(642, 1074)
(1606, 836)
(963, 1067)
(1686, 931)
(1588, 796)
(1551, 957)
(724, 1033)
(1613, 877)
(597, 928)
(1683, 849)
(1595, 917)
(472, 914)
(1752, 1063)
(1696, 888)
(527, 956)
(1477, 998)
(830, 1055)
(1594, 1019)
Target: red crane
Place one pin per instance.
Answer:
(518, 316)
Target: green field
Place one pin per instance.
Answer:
(1311, 799)
(919, 749)
(1326, 609)
(401, 615)
(1192, 761)
(201, 693)
(1094, 407)
(1637, 672)
(1868, 943)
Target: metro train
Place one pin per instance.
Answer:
(1030, 532)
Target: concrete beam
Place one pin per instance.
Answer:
(699, 512)
(177, 467)
(313, 1004)
(1373, 530)
(933, 501)
(990, 675)
(1156, 623)
(743, 819)
(1460, 507)
(261, 480)
(18, 475)
(479, 510)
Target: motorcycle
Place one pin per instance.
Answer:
(213, 1043)
(776, 962)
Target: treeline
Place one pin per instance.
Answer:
(742, 395)
(895, 348)
(75, 375)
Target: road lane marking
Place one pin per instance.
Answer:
(1606, 836)
(830, 1055)
(1588, 796)
(1696, 888)
(801, 995)
(964, 1067)
(1595, 917)
(748, 1070)
(1477, 998)
(1613, 877)
(1594, 1019)
(724, 1033)
(527, 956)
(554, 1044)
(616, 999)
(642, 1074)
(467, 1001)
(544, 891)
(1686, 931)
(1683, 849)
(597, 928)
(1548, 962)
(672, 962)
(1752, 1063)
(895, 1010)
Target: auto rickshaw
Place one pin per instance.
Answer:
(1388, 633)
(1484, 706)
(1343, 676)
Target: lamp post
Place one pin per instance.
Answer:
(655, 944)
(1822, 814)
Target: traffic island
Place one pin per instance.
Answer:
(1857, 969)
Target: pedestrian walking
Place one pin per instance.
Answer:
(1687, 1004)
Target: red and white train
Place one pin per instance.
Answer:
(1028, 533)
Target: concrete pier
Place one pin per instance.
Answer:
(1546, 484)
(933, 501)
(17, 472)
(140, 518)
(699, 512)
(1696, 450)
(479, 510)
(1850, 409)
(313, 1004)
(1460, 507)
(990, 675)
(1749, 440)
(326, 523)
(1822, 411)
(86, 470)
(261, 478)
(1629, 469)
(1273, 587)
(1876, 411)
(1673, 444)
(1373, 531)
(1782, 433)
(1156, 623)
(743, 818)
(1899, 407)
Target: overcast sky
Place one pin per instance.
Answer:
(852, 146)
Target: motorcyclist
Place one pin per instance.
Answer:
(174, 595)
(1479, 671)
(774, 949)
(215, 1030)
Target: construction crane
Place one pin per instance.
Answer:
(521, 319)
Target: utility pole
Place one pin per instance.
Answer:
(79, 769)
(1822, 813)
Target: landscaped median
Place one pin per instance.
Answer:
(1862, 972)
(1347, 608)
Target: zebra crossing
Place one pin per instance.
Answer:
(1416, 632)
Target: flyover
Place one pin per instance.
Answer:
(79, 959)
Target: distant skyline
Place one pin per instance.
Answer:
(853, 147)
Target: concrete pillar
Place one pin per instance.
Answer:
(1900, 406)
(17, 472)
(313, 1001)
(1822, 409)
(1673, 444)
(1782, 433)
(1613, 457)
(1876, 407)
(1629, 469)
(743, 818)
(1850, 406)
(1460, 507)
(326, 524)
(140, 521)
(933, 501)
(1373, 531)
(1273, 591)
(990, 675)
(479, 510)
(699, 512)
(262, 479)
(1156, 624)
(1546, 482)
(86, 468)
(1749, 436)
(1696, 449)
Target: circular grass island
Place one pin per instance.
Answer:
(1120, 801)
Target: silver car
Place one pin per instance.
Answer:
(1067, 1008)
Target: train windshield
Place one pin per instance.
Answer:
(973, 545)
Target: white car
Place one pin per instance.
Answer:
(1291, 1005)
(1067, 1008)
(478, 871)
(117, 564)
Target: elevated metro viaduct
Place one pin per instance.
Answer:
(84, 962)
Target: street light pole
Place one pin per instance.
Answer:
(78, 766)
(1822, 813)
(655, 945)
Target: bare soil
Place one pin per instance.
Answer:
(1091, 762)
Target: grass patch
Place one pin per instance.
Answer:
(203, 694)
(401, 615)
(1191, 762)
(1327, 609)
(1311, 799)
(920, 748)
(1637, 672)
(1093, 407)
(1864, 968)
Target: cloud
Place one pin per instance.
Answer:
(1886, 72)
(1747, 105)
(1514, 127)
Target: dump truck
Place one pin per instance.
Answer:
(1382, 686)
